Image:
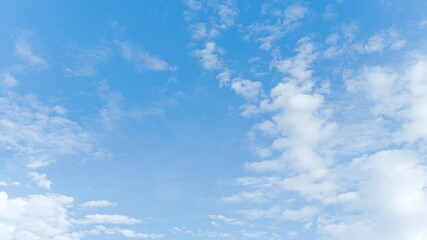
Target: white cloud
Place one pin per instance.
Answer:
(200, 233)
(246, 88)
(254, 196)
(199, 31)
(222, 16)
(303, 214)
(227, 14)
(209, 56)
(141, 59)
(375, 43)
(38, 163)
(261, 235)
(111, 111)
(10, 184)
(40, 179)
(272, 212)
(224, 78)
(98, 203)
(416, 115)
(37, 134)
(107, 219)
(35, 217)
(8, 80)
(224, 219)
(378, 191)
(88, 61)
(194, 7)
(305, 130)
(391, 186)
(24, 50)
(299, 117)
(101, 230)
(399, 95)
(299, 66)
(344, 43)
(269, 32)
(294, 13)
(341, 42)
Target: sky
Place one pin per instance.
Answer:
(194, 120)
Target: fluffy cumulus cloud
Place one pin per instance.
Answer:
(398, 95)
(334, 175)
(35, 217)
(380, 195)
(299, 118)
(389, 202)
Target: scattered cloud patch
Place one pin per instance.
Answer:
(246, 88)
(108, 219)
(268, 32)
(98, 204)
(40, 179)
(226, 220)
(8, 80)
(24, 50)
(209, 56)
(142, 60)
(88, 61)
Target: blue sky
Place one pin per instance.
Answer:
(213, 120)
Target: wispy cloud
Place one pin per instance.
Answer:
(108, 219)
(8, 80)
(88, 60)
(227, 220)
(141, 59)
(102, 230)
(268, 32)
(98, 203)
(24, 51)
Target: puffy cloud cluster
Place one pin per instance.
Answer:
(35, 217)
(373, 187)
(51, 217)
